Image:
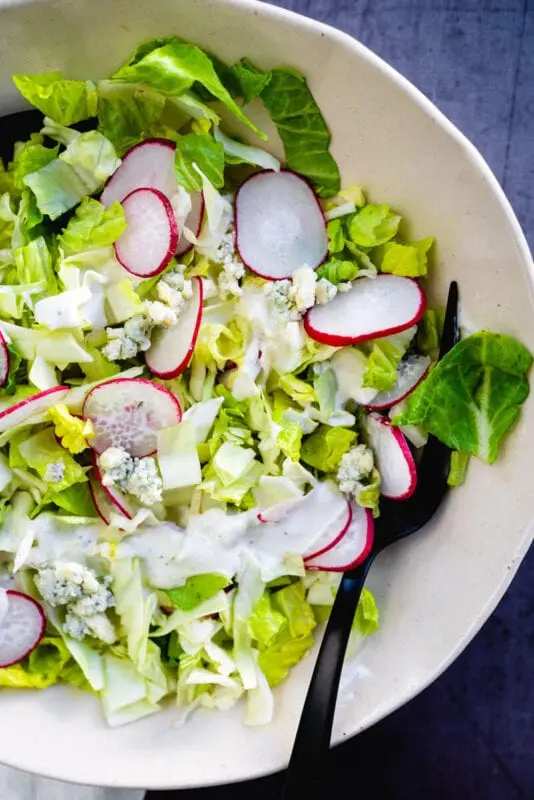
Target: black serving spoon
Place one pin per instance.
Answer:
(396, 521)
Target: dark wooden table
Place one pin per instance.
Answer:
(470, 736)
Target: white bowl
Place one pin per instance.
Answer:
(435, 590)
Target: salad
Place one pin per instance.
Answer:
(212, 366)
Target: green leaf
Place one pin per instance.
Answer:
(206, 153)
(64, 100)
(250, 81)
(381, 372)
(325, 446)
(75, 500)
(458, 468)
(373, 225)
(473, 395)
(126, 112)
(298, 390)
(31, 156)
(291, 601)
(406, 260)
(337, 271)
(367, 617)
(92, 226)
(289, 439)
(10, 386)
(197, 589)
(336, 236)
(429, 332)
(42, 453)
(303, 130)
(265, 623)
(33, 263)
(174, 67)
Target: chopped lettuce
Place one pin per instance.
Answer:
(473, 395)
(407, 260)
(199, 151)
(51, 662)
(196, 589)
(458, 468)
(52, 462)
(323, 449)
(127, 112)
(92, 226)
(66, 101)
(373, 225)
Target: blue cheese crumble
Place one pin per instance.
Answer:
(136, 476)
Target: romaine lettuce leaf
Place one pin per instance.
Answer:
(407, 260)
(204, 152)
(384, 358)
(66, 101)
(127, 112)
(302, 128)
(265, 622)
(29, 157)
(172, 67)
(473, 395)
(248, 81)
(197, 589)
(429, 332)
(458, 468)
(50, 662)
(43, 453)
(92, 226)
(323, 448)
(373, 225)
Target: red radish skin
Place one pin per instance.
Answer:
(31, 405)
(403, 386)
(115, 496)
(103, 505)
(193, 221)
(172, 348)
(151, 236)
(4, 360)
(352, 316)
(393, 458)
(352, 549)
(267, 204)
(319, 547)
(128, 413)
(147, 165)
(21, 629)
(281, 510)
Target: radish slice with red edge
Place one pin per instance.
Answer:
(193, 221)
(148, 165)
(128, 413)
(151, 236)
(410, 373)
(117, 498)
(22, 626)
(280, 225)
(4, 360)
(371, 309)
(393, 456)
(352, 548)
(171, 348)
(331, 535)
(102, 503)
(31, 405)
(281, 510)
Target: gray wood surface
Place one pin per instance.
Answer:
(475, 60)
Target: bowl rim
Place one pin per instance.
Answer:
(259, 8)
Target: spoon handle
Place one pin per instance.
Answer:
(312, 741)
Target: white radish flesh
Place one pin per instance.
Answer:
(193, 222)
(128, 413)
(371, 309)
(410, 373)
(171, 348)
(280, 225)
(352, 548)
(22, 626)
(41, 401)
(148, 165)
(4, 360)
(151, 236)
(393, 456)
(332, 535)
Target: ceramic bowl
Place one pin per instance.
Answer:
(435, 590)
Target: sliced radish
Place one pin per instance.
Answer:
(311, 520)
(371, 309)
(352, 548)
(193, 222)
(32, 405)
(393, 458)
(151, 237)
(22, 627)
(4, 360)
(280, 225)
(171, 348)
(331, 535)
(411, 372)
(128, 413)
(115, 496)
(281, 510)
(102, 503)
(148, 165)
